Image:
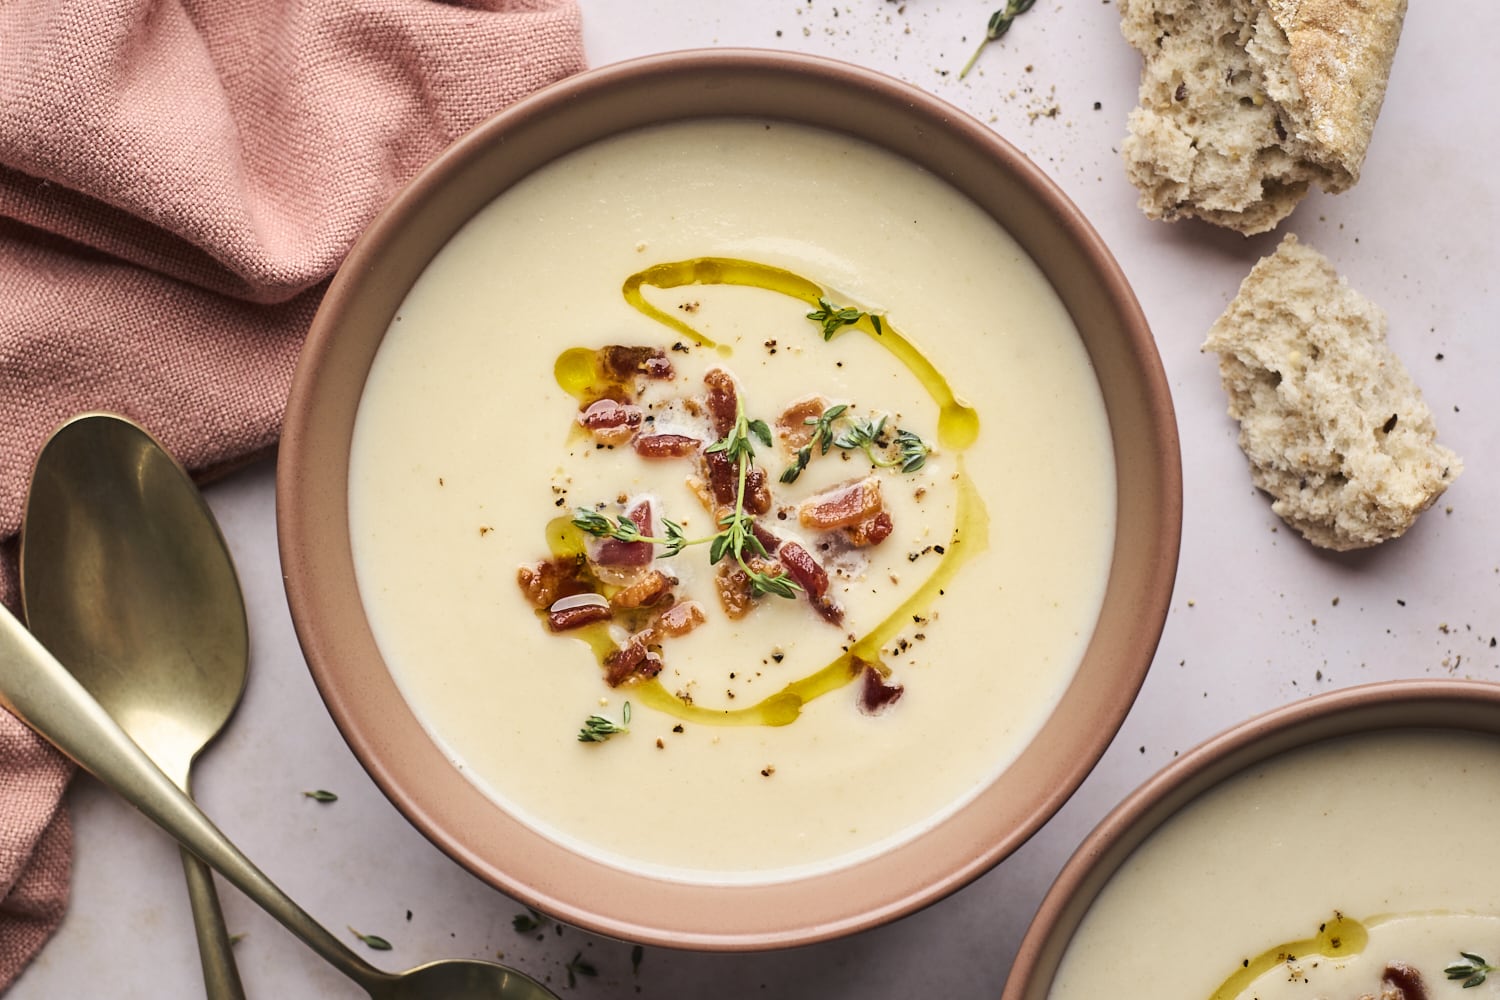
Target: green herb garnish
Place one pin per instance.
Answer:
(736, 529)
(625, 530)
(1472, 971)
(859, 434)
(597, 729)
(1000, 22)
(636, 954)
(374, 941)
(576, 967)
(321, 796)
(832, 318)
(525, 923)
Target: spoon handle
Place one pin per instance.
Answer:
(42, 693)
(221, 977)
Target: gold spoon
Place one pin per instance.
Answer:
(42, 693)
(125, 577)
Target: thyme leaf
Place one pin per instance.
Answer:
(579, 966)
(999, 24)
(833, 318)
(525, 923)
(1472, 971)
(625, 530)
(597, 729)
(913, 451)
(321, 795)
(374, 941)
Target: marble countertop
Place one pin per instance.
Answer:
(1259, 617)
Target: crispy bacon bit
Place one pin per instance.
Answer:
(812, 578)
(577, 611)
(876, 694)
(665, 445)
(841, 506)
(610, 421)
(792, 426)
(547, 581)
(1405, 980)
(619, 362)
(766, 537)
(634, 659)
(724, 480)
(733, 586)
(723, 400)
(650, 588)
(871, 531)
(613, 552)
(680, 619)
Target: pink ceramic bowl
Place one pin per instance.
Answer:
(312, 503)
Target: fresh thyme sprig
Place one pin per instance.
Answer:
(860, 434)
(625, 530)
(1472, 971)
(737, 527)
(597, 729)
(1000, 23)
(832, 318)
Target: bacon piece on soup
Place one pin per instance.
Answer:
(876, 693)
(812, 578)
(613, 552)
(611, 422)
(679, 619)
(842, 506)
(620, 362)
(1402, 982)
(651, 587)
(767, 538)
(633, 659)
(871, 531)
(793, 427)
(544, 582)
(735, 595)
(656, 446)
(577, 611)
(722, 400)
(723, 476)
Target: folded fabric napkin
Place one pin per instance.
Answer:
(178, 180)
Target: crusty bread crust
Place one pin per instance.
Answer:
(1246, 103)
(1334, 427)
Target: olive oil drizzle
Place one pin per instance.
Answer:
(958, 422)
(1340, 937)
(958, 427)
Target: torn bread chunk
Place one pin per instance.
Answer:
(1334, 428)
(1246, 103)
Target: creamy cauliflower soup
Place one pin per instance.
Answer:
(1353, 869)
(731, 499)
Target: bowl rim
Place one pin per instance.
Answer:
(1377, 706)
(813, 908)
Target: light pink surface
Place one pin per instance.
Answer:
(178, 180)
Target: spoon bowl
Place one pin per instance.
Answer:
(126, 578)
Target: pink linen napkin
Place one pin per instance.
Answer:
(178, 180)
